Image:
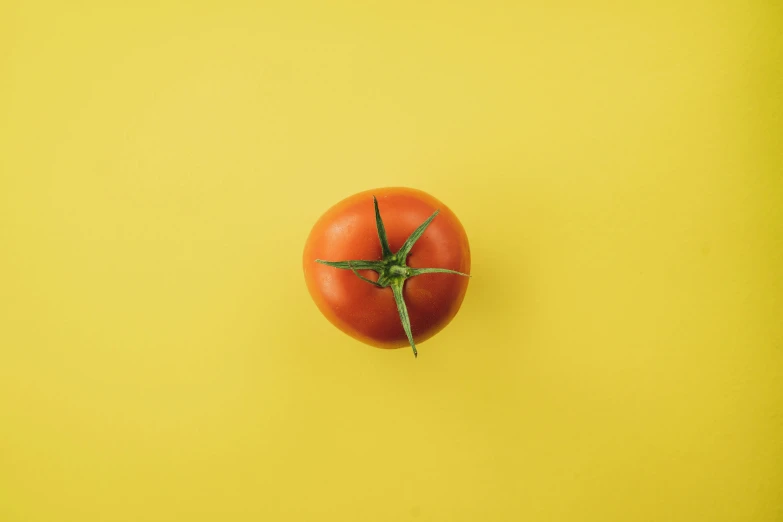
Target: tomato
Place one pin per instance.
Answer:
(388, 271)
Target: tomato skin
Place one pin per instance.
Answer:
(368, 313)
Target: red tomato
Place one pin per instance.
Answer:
(346, 293)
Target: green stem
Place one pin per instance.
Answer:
(396, 287)
(419, 271)
(406, 247)
(360, 276)
(381, 230)
(352, 264)
(392, 270)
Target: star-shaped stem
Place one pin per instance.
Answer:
(392, 269)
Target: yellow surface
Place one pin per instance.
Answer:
(619, 355)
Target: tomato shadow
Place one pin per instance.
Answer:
(496, 317)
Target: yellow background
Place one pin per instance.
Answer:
(619, 355)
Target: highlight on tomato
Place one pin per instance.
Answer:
(393, 281)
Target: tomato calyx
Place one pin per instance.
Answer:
(392, 270)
